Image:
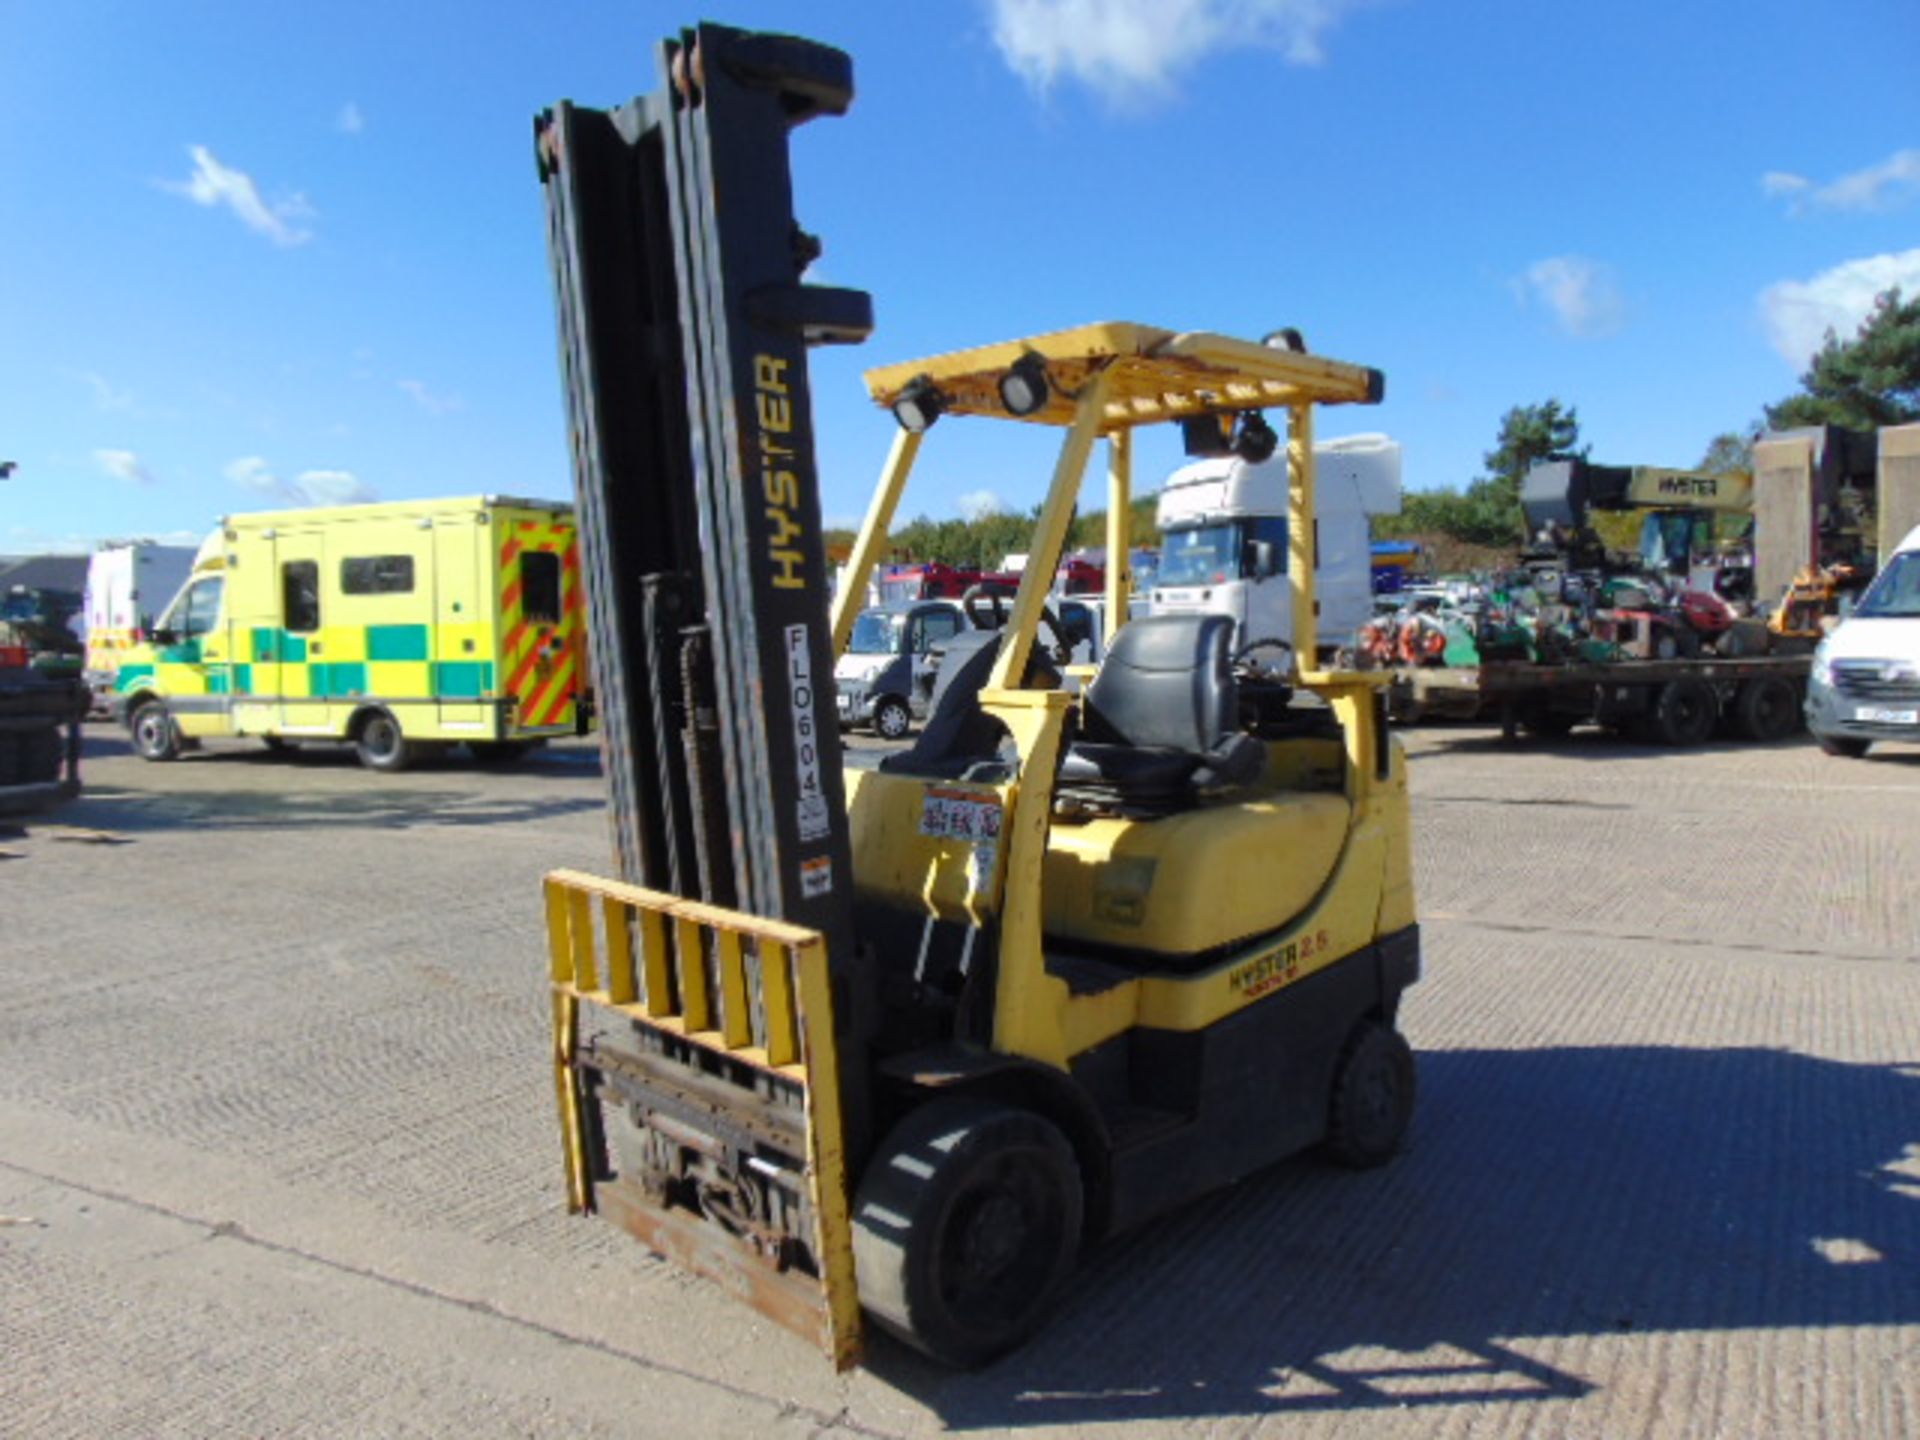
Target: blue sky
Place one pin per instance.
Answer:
(256, 255)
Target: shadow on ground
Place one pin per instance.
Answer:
(1549, 1193)
(325, 786)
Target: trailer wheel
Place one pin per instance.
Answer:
(966, 1226)
(892, 719)
(155, 737)
(1548, 724)
(380, 744)
(1766, 708)
(1372, 1099)
(1683, 712)
(1844, 746)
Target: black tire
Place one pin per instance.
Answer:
(1766, 708)
(892, 719)
(1683, 712)
(966, 1226)
(498, 752)
(1374, 1085)
(380, 744)
(1548, 724)
(153, 733)
(1843, 746)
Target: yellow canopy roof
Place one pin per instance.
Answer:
(1154, 375)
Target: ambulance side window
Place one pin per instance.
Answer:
(540, 587)
(377, 575)
(300, 596)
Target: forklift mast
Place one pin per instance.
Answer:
(684, 329)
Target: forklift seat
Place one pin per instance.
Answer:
(960, 740)
(1160, 720)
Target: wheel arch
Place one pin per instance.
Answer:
(954, 1072)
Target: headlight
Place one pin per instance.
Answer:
(1822, 672)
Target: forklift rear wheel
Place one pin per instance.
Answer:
(153, 732)
(892, 719)
(1372, 1101)
(380, 745)
(1843, 746)
(966, 1226)
(1683, 712)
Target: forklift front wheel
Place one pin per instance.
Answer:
(1372, 1100)
(966, 1225)
(892, 719)
(380, 745)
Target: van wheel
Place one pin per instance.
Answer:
(155, 736)
(966, 1226)
(380, 745)
(892, 719)
(1372, 1100)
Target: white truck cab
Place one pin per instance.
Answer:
(1865, 683)
(1224, 539)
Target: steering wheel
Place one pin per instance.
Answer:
(1271, 642)
(1059, 651)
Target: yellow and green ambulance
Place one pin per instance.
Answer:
(396, 628)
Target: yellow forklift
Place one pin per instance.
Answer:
(893, 1044)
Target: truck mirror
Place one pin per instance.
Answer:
(1263, 560)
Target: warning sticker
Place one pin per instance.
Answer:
(810, 807)
(816, 877)
(960, 815)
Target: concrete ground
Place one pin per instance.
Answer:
(278, 1157)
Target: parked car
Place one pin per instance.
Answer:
(879, 676)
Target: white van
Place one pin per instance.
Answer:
(1865, 684)
(1224, 539)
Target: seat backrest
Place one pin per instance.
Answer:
(1167, 683)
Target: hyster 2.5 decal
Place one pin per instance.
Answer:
(1277, 967)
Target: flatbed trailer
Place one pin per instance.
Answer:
(40, 719)
(1669, 702)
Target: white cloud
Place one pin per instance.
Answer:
(1128, 49)
(333, 487)
(1798, 313)
(310, 487)
(251, 472)
(1582, 294)
(978, 504)
(111, 398)
(428, 401)
(350, 121)
(214, 184)
(123, 465)
(1885, 186)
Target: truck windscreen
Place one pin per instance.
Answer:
(1213, 554)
